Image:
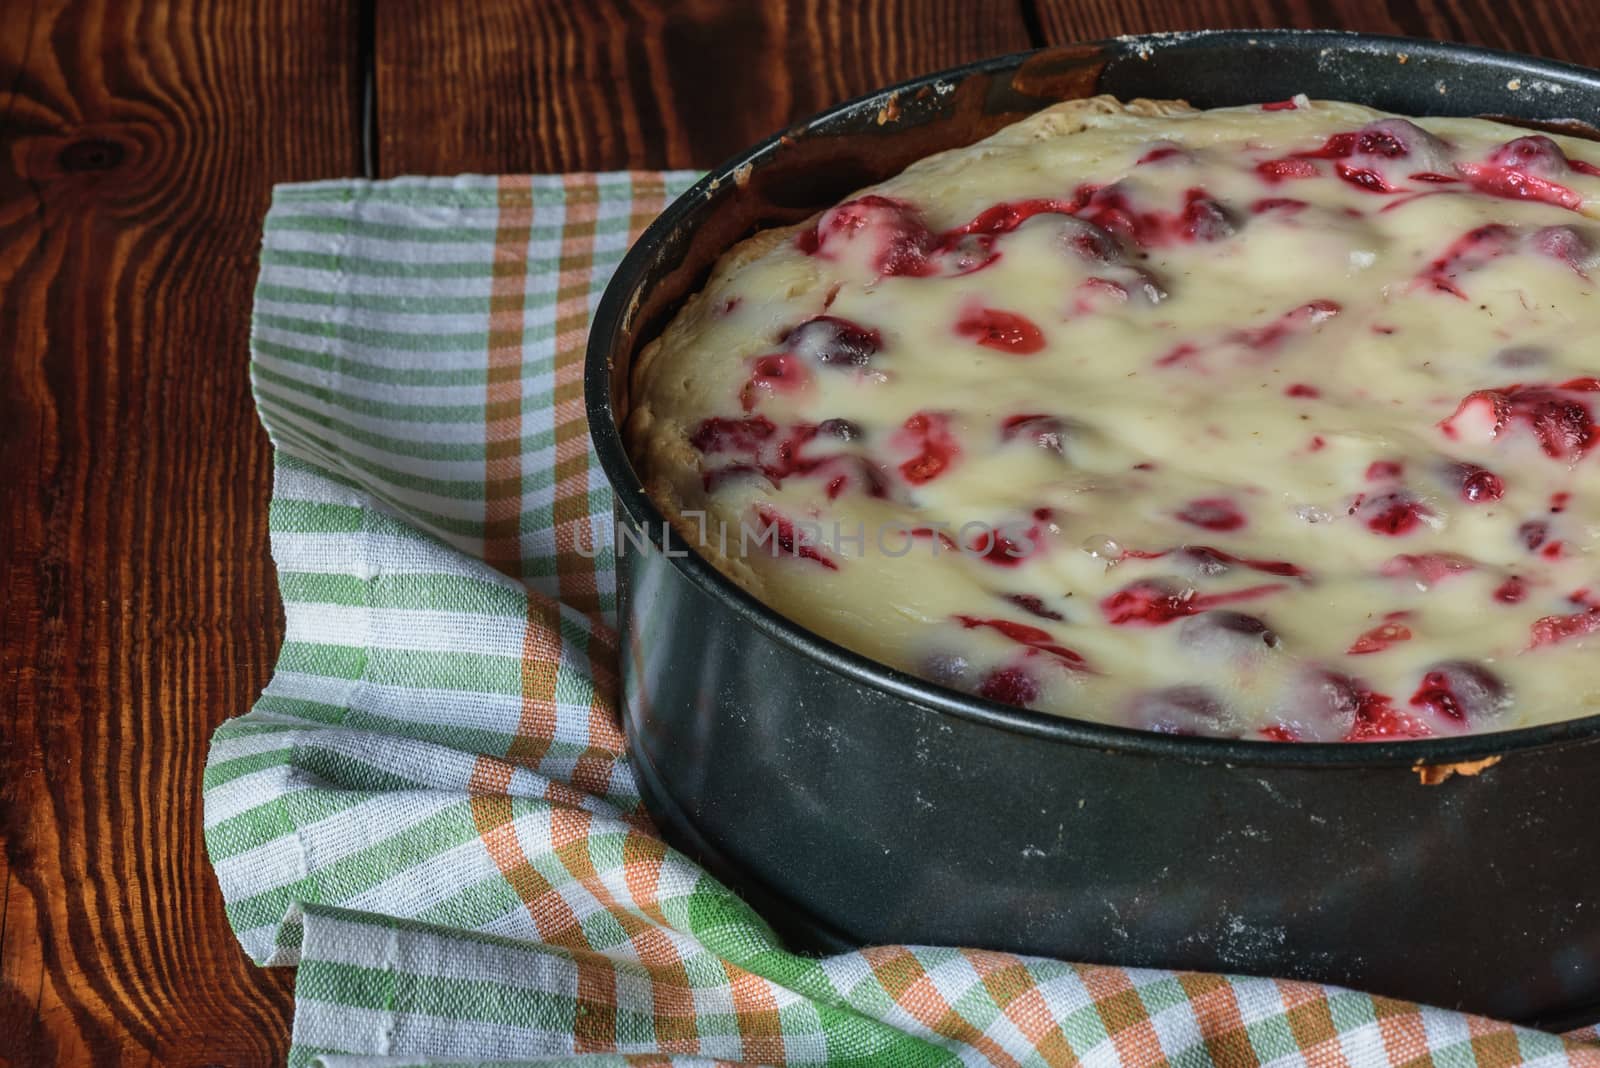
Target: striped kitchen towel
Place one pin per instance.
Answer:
(430, 810)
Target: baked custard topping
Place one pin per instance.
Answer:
(1274, 422)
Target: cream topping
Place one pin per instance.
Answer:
(1271, 422)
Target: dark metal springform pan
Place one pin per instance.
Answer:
(856, 804)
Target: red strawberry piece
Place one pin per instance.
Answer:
(1393, 514)
(1380, 638)
(1361, 712)
(1553, 629)
(930, 434)
(1164, 151)
(941, 540)
(1512, 591)
(1212, 513)
(1296, 320)
(1002, 331)
(793, 542)
(1557, 415)
(1470, 252)
(1004, 217)
(1363, 178)
(1096, 293)
(1036, 639)
(1274, 171)
(1281, 205)
(1205, 561)
(1155, 603)
(1010, 686)
(1524, 169)
(1426, 569)
(1374, 151)
(779, 372)
(1204, 219)
(1177, 354)
(1011, 544)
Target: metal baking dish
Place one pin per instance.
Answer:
(855, 804)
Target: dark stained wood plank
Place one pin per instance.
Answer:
(138, 142)
(1558, 29)
(535, 85)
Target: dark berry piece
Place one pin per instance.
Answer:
(1180, 710)
(946, 669)
(1536, 154)
(1324, 706)
(843, 429)
(1048, 432)
(1467, 693)
(900, 241)
(1569, 245)
(1204, 562)
(1225, 634)
(1204, 219)
(1519, 356)
(836, 342)
(732, 435)
(1035, 605)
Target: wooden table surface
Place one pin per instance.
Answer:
(138, 143)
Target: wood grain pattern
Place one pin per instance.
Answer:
(138, 142)
(543, 86)
(1566, 30)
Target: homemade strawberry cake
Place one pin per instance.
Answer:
(1271, 422)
